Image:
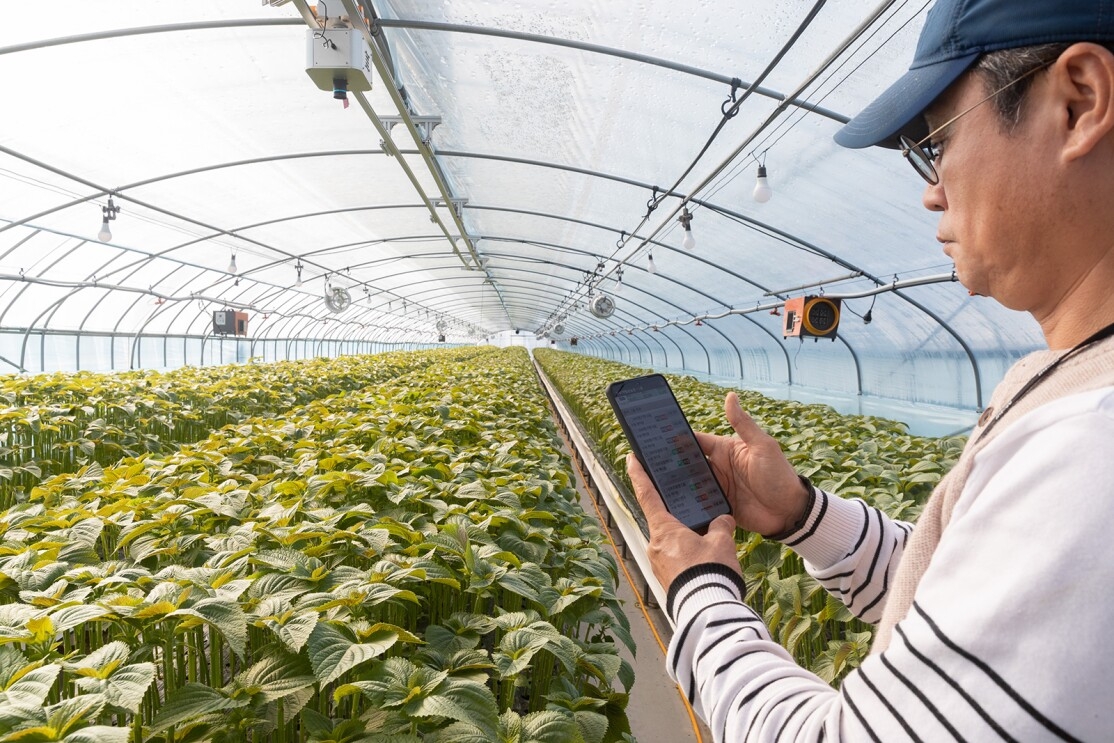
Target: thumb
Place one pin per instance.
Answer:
(743, 424)
(723, 526)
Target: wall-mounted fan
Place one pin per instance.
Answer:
(602, 306)
(337, 298)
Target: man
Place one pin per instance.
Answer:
(994, 615)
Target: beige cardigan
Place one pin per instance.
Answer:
(1089, 369)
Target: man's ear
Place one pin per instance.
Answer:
(1083, 79)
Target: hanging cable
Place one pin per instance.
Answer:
(728, 114)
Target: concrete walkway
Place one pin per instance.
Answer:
(657, 712)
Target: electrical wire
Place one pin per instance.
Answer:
(727, 115)
(792, 121)
(789, 123)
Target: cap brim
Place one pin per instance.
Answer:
(898, 110)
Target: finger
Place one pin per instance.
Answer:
(652, 505)
(722, 526)
(743, 424)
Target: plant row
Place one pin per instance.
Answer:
(856, 456)
(55, 423)
(405, 562)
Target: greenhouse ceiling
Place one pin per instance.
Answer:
(511, 163)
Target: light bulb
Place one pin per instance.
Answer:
(762, 191)
(651, 267)
(105, 234)
(689, 243)
(299, 281)
(232, 264)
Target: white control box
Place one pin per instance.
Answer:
(338, 53)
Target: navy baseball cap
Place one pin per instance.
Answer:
(955, 34)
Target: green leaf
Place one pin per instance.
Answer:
(68, 617)
(277, 676)
(31, 685)
(548, 726)
(224, 616)
(70, 713)
(98, 734)
(191, 701)
(104, 671)
(294, 630)
(460, 699)
(592, 725)
(332, 653)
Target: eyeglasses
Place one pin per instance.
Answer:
(921, 155)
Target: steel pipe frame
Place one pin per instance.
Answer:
(87, 37)
(754, 224)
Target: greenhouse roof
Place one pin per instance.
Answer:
(511, 163)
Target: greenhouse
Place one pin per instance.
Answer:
(308, 314)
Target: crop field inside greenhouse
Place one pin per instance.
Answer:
(356, 549)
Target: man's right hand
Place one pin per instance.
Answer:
(765, 493)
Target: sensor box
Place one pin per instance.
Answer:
(811, 317)
(338, 53)
(230, 322)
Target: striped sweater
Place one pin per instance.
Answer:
(1007, 635)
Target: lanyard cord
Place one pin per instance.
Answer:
(1046, 371)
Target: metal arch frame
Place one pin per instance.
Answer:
(742, 371)
(743, 218)
(560, 248)
(235, 232)
(256, 286)
(680, 350)
(306, 20)
(640, 306)
(935, 317)
(558, 217)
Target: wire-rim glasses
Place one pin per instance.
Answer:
(921, 155)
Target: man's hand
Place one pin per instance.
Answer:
(673, 546)
(765, 494)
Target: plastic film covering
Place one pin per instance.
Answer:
(512, 162)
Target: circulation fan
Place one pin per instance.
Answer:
(602, 306)
(558, 329)
(337, 298)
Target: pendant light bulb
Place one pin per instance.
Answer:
(689, 243)
(108, 213)
(762, 191)
(651, 267)
(299, 269)
(232, 264)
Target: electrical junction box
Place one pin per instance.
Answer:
(338, 53)
(811, 317)
(230, 322)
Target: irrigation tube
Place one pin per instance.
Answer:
(891, 287)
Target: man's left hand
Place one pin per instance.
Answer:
(673, 546)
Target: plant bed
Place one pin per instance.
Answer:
(403, 562)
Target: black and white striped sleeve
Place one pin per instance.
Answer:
(853, 550)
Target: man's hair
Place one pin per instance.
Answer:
(998, 69)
